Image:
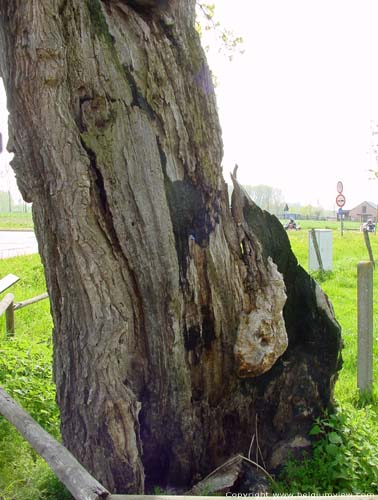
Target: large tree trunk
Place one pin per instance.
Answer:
(168, 312)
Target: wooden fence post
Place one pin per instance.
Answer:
(365, 326)
(9, 319)
(317, 250)
(368, 246)
(6, 306)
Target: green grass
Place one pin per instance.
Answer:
(340, 285)
(16, 220)
(344, 458)
(25, 373)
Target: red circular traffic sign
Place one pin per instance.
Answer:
(340, 187)
(340, 200)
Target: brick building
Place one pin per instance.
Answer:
(364, 211)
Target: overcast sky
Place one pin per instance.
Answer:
(7, 180)
(297, 108)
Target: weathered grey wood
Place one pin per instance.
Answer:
(368, 246)
(365, 326)
(76, 479)
(24, 303)
(9, 319)
(317, 250)
(8, 281)
(6, 302)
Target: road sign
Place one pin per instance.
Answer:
(340, 187)
(340, 200)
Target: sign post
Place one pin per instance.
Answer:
(340, 202)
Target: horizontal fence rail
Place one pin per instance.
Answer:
(9, 280)
(77, 480)
(24, 303)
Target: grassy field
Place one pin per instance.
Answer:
(341, 286)
(16, 220)
(345, 458)
(25, 372)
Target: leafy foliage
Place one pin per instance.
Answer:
(374, 149)
(25, 373)
(344, 457)
(229, 43)
(267, 197)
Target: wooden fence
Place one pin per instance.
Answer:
(8, 306)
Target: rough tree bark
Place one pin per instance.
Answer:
(170, 333)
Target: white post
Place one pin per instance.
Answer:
(365, 326)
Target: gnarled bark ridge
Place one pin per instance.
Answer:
(171, 333)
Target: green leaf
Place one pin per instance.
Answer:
(334, 438)
(332, 449)
(315, 430)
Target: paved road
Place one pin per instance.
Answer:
(14, 243)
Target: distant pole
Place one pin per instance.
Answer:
(340, 202)
(365, 326)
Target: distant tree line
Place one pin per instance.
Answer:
(8, 203)
(273, 201)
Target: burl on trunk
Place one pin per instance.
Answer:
(177, 321)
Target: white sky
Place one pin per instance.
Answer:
(297, 108)
(7, 180)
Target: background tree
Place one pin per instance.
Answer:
(267, 197)
(228, 43)
(168, 311)
(374, 149)
(5, 201)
